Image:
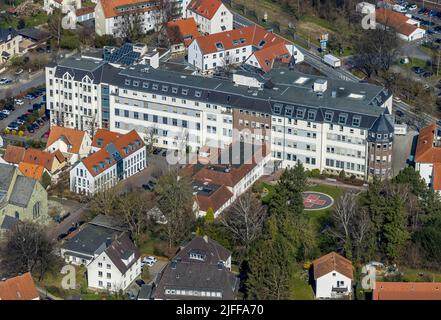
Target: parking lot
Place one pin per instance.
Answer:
(27, 115)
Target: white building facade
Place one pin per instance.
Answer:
(211, 16)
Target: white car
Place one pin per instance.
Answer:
(19, 102)
(397, 99)
(6, 111)
(5, 81)
(413, 7)
(149, 261)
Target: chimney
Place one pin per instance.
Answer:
(206, 238)
(108, 242)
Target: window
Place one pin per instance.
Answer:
(300, 113)
(36, 210)
(342, 118)
(311, 115)
(108, 266)
(356, 121)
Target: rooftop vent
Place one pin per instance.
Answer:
(334, 94)
(320, 85)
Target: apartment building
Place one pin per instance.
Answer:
(211, 16)
(113, 16)
(253, 46)
(116, 160)
(330, 125)
(9, 44)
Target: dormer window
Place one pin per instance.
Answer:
(197, 255)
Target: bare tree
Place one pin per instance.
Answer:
(132, 28)
(55, 25)
(245, 219)
(105, 202)
(27, 248)
(150, 138)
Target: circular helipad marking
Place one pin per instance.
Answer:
(313, 200)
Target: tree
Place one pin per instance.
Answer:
(150, 138)
(269, 272)
(21, 24)
(27, 248)
(209, 216)
(245, 219)
(55, 25)
(175, 200)
(132, 28)
(105, 40)
(104, 202)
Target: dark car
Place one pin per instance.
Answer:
(40, 122)
(156, 151)
(61, 236)
(399, 113)
(3, 116)
(427, 74)
(10, 107)
(30, 129)
(140, 282)
(35, 124)
(164, 153)
(72, 229)
(418, 70)
(80, 223)
(146, 187)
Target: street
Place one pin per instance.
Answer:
(24, 83)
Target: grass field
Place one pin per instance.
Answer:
(30, 22)
(319, 216)
(300, 288)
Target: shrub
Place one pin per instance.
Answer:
(209, 216)
(21, 133)
(314, 173)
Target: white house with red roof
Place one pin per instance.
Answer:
(74, 144)
(251, 45)
(407, 29)
(117, 159)
(112, 15)
(211, 16)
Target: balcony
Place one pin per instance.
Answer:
(340, 290)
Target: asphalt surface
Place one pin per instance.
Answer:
(21, 85)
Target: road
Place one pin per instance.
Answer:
(76, 210)
(22, 84)
(314, 60)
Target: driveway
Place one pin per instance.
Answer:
(61, 206)
(403, 146)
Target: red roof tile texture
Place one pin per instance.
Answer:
(407, 291)
(332, 262)
(16, 155)
(110, 7)
(205, 8)
(19, 288)
(188, 30)
(395, 20)
(72, 137)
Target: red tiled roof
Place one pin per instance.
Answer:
(19, 288)
(84, 10)
(72, 137)
(332, 262)
(267, 55)
(395, 20)
(102, 160)
(188, 30)
(105, 137)
(237, 38)
(30, 170)
(407, 291)
(215, 200)
(426, 152)
(16, 155)
(205, 8)
(110, 7)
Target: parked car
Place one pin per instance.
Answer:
(6, 111)
(418, 70)
(148, 261)
(427, 74)
(19, 71)
(30, 129)
(5, 81)
(19, 102)
(72, 229)
(19, 121)
(80, 223)
(29, 97)
(412, 7)
(399, 113)
(59, 218)
(40, 122)
(12, 126)
(35, 124)
(140, 282)
(131, 296)
(3, 116)
(61, 236)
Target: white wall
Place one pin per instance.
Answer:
(325, 283)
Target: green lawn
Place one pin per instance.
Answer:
(414, 62)
(320, 22)
(412, 275)
(317, 217)
(300, 288)
(30, 22)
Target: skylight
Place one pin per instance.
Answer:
(355, 96)
(301, 80)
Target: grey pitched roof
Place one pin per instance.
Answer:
(382, 125)
(108, 222)
(206, 275)
(146, 292)
(90, 240)
(33, 34)
(4, 33)
(121, 249)
(6, 175)
(22, 191)
(9, 222)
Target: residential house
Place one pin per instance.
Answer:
(111, 16)
(21, 287)
(21, 197)
(180, 33)
(234, 170)
(407, 29)
(252, 46)
(9, 44)
(211, 16)
(116, 267)
(333, 277)
(428, 157)
(116, 160)
(33, 171)
(52, 161)
(31, 38)
(407, 291)
(200, 270)
(74, 144)
(85, 14)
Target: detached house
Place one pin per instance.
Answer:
(201, 270)
(181, 33)
(117, 158)
(21, 287)
(428, 157)
(252, 46)
(211, 16)
(9, 44)
(74, 144)
(112, 16)
(333, 277)
(406, 28)
(116, 267)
